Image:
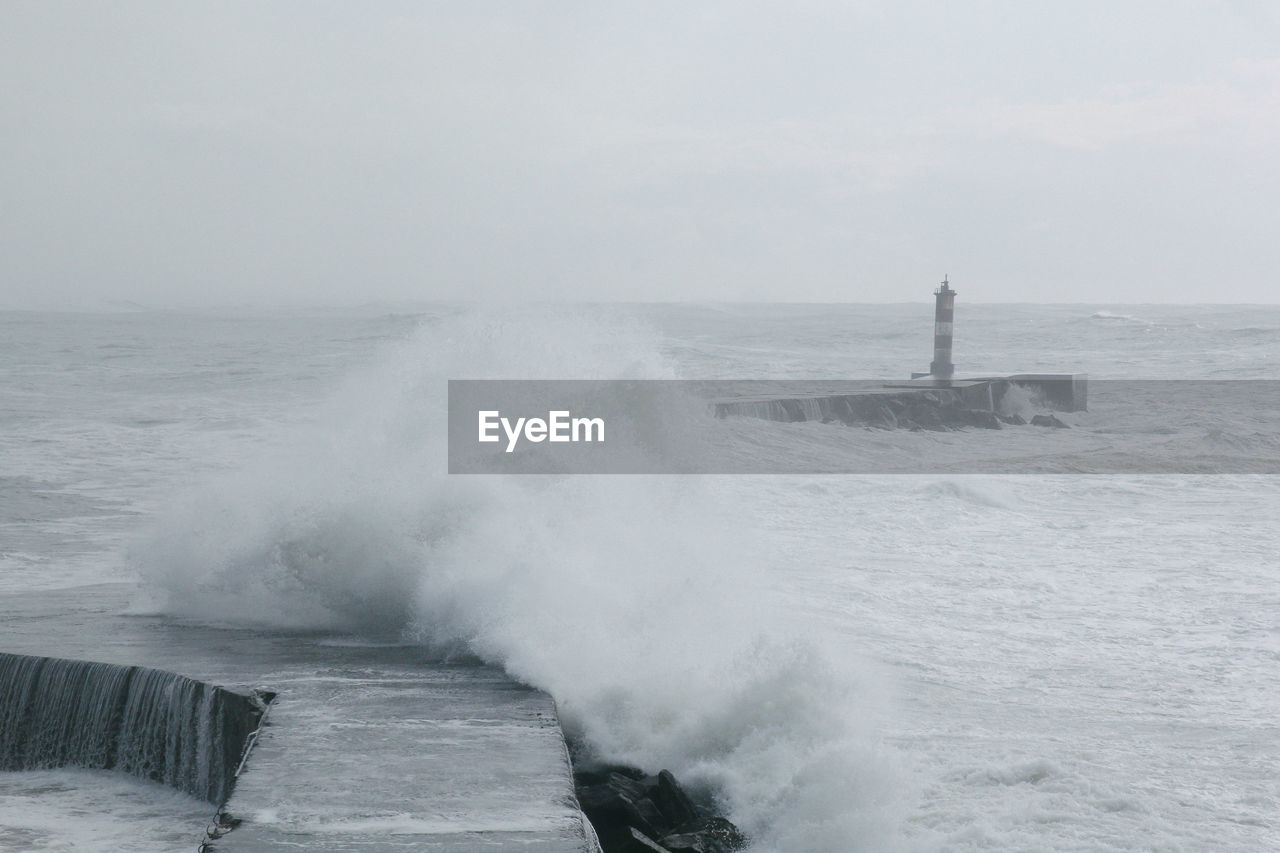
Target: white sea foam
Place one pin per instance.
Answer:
(638, 602)
(1020, 400)
(84, 811)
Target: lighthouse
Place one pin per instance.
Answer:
(943, 315)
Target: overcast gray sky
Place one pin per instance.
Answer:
(178, 153)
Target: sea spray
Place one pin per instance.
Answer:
(641, 603)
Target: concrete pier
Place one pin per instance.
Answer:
(367, 747)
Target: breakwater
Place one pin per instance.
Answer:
(149, 723)
(921, 404)
(890, 409)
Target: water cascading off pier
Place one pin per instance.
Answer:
(146, 722)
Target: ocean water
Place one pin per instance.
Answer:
(882, 663)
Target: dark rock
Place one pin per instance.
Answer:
(986, 420)
(637, 842)
(629, 810)
(634, 788)
(1048, 421)
(614, 810)
(596, 797)
(646, 815)
(673, 802)
(705, 835)
(1014, 420)
(600, 775)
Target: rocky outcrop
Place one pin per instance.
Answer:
(636, 813)
(985, 420)
(1048, 421)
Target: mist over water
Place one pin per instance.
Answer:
(880, 663)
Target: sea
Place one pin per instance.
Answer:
(928, 661)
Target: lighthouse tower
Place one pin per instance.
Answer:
(943, 315)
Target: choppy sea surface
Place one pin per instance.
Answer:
(888, 663)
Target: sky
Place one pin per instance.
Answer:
(173, 154)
